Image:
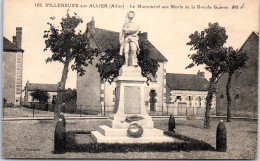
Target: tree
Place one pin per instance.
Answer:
(69, 95)
(40, 95)
(235, 60)
(66, 46)
(209, 51)
(111, 62)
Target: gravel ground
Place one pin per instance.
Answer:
(34, 139)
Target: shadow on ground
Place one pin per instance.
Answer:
(188, 144)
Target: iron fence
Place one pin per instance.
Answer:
(36, 110)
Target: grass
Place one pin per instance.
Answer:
(34, 139)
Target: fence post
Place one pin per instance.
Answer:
(33, 110)
(254, 111)
(235, 111)
(104, 108)
(80, 110)
(167, 109)
(101, 110)
(4, 100)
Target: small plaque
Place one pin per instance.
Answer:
(132, 100)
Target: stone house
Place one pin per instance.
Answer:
(244, 84)
(97, 96)
(30, 87)
(12, 69)
(186, 94)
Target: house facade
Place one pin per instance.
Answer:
(186, 94)
(244, 84)
(30, 87)
(12, 69)
(97, 96)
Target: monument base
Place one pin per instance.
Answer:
(107, 134)
(119, 121)
(129, 109)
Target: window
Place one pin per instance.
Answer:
(221, 96)
(199, 98)
(54, 97)
(190, 98)
(178, 98)
(237, 96)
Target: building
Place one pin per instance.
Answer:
(98, 96)
(30, 87)
(12, 69)
(186, 94)
(244, 84)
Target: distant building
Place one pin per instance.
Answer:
(95, 95)
(186, 94)
(244, 84)
(30, 87)
(12, 69)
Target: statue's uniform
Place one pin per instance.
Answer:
(129, 42)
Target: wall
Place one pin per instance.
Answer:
(88, 87)
(244, 84)
(189, 100)
(9, 76)
(19, 76)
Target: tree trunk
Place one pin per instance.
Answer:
(228, 98)
(61, 89)
(209, 102)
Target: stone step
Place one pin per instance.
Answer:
(108, 131)
(99, 138)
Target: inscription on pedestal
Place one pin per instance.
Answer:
(132, 100)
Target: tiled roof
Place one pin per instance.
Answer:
(46, 87)
(106, 38)
(186, 82)
(9, 46)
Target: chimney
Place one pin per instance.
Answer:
(201, 74)
(14, 40)
(19, 37)
(91, 25)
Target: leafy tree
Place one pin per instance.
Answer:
(40, 95)
(235, 60)
(66, 46)
(209, 51)
(111, 62)
(148, 65)
(69, 95)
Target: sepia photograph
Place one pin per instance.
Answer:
(109, 79)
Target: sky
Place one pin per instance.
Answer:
(168, 28)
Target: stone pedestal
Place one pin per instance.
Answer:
(129, 102)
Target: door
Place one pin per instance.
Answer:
(152, 95)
